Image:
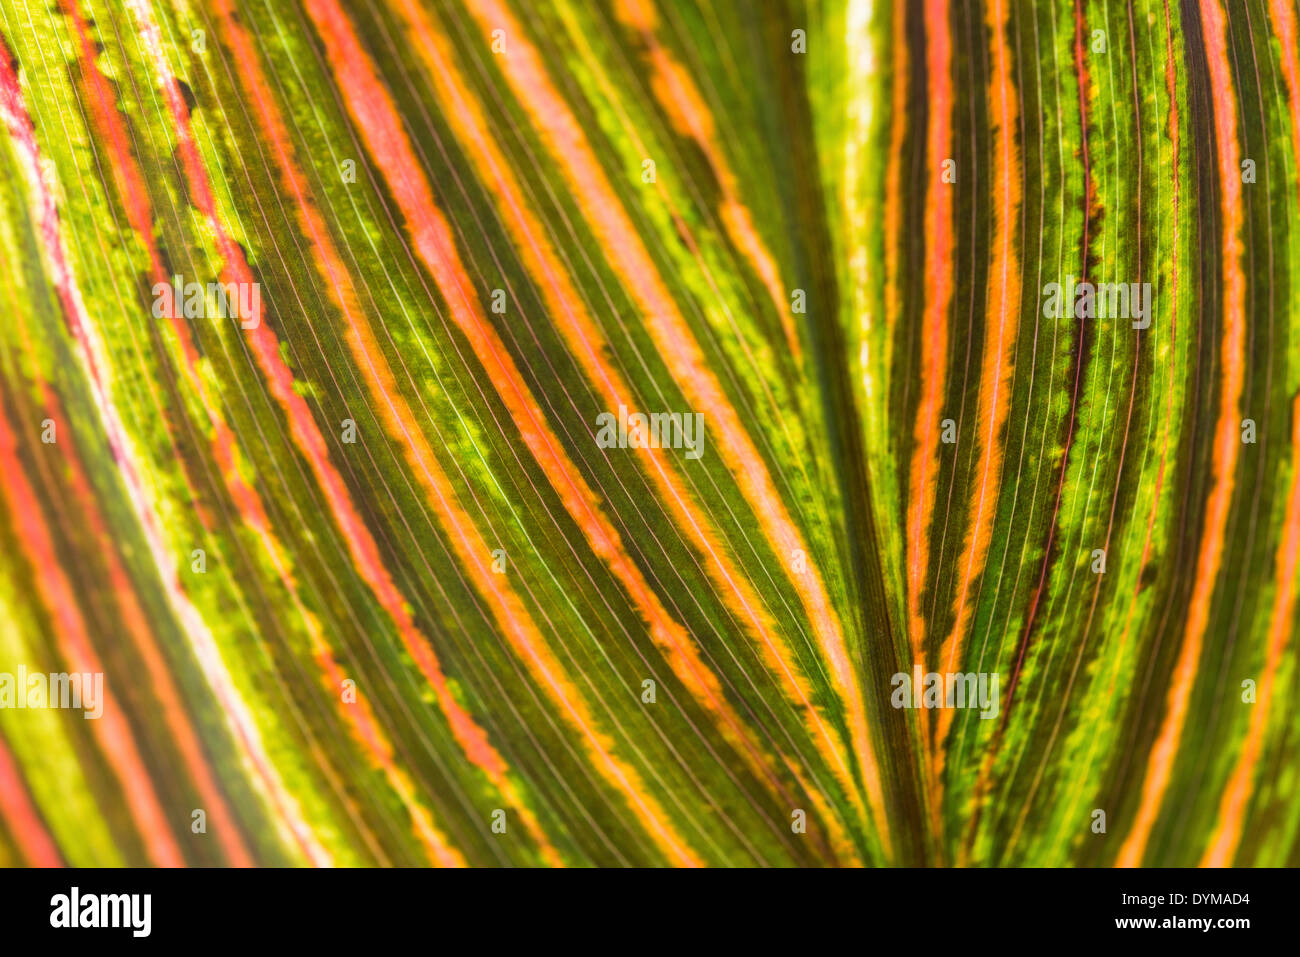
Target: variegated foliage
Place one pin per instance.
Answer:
(365, 586)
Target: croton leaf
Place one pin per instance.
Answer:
(501, 432)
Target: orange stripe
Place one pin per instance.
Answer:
(111, 729)
(1004, 304)
(465, 115)
(924, 465)
(91, 350)
(395, 413)
(310, 442)
(938, 95)
(371, 106)
(995, 376)
(22, 818)
(307, 437)
(135, 198)
(592, 191)
(997, 367)
(934, 339)
(1226, 440)
(691, 117)
(160, 679)
(1236, 795)
(362, 719)
(733, 589)
(1240, 787)
(130, 187)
